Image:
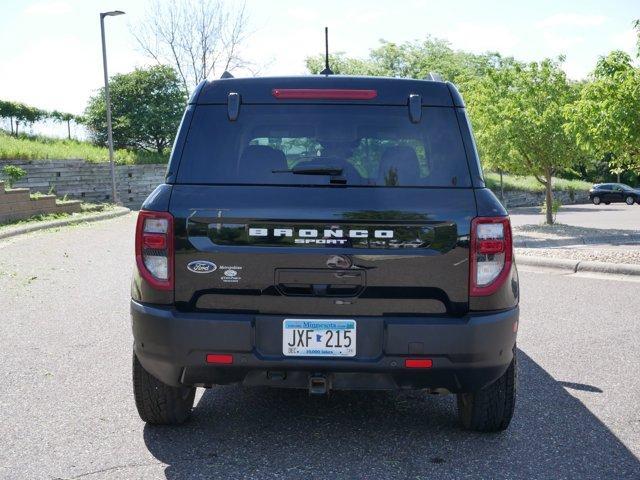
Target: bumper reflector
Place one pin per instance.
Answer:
(219, 358)
(418, 363)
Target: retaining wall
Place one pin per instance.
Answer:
(16, 204)
(535, 199)
(90, 182)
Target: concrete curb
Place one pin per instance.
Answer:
(605, 239)
(575, 266)
(35, 226)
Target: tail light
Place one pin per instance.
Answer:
(491, 254)
(154, 248)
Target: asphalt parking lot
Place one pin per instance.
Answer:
(66, 407)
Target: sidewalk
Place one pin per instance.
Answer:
(623, 254)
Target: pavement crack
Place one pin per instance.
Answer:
(109, 469)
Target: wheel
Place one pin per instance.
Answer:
(596, 200)
(629, 200)
(490, 409)
(607, 203)
(157, 402)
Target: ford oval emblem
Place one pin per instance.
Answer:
(202, 266)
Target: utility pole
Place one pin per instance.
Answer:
(107, 99)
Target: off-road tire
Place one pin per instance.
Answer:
(490, 409)
(157, 402)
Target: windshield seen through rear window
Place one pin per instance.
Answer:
(374, 146)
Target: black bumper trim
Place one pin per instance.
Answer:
(468, 352)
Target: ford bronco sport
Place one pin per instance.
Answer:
(325, 233)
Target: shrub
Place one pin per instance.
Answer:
(555, 207)
(12, 174)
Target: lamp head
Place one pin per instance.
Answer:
(113, 13)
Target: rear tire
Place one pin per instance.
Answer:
(629, 200)
(157, 402)
(596, 200)
(490, 409)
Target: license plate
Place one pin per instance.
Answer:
(318, 338)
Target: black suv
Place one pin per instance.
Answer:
(325, 233)
(614, 193)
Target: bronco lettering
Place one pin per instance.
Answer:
(314, 233)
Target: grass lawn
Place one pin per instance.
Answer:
(530, 184)
(39, 148)
(88, 209)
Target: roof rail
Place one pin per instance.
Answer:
(226, 74)
(434, 77)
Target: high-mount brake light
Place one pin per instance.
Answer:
(491, 254)
(323, 94)
(154, 248)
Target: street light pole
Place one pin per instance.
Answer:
(107, 99)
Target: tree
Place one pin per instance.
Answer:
(198, 38)
(20, 113)
(64, 117)
(605, 118)
(413, 60)
(519, 112)
(8, 110)
(27, 115)
(147, 105)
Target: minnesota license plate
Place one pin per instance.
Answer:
(318, 338)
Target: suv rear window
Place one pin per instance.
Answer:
(376, 146)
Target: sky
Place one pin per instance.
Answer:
(50, 54)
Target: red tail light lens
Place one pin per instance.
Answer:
(323, 94)
(491, 254)
(220, 358)
(154, 240)
(418, 363)
(154, 248)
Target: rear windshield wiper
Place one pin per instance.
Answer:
(332, 171)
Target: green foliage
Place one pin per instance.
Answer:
(531, 184)
(18, 113)
(413, 60)
(605, 118)
(555, 208)
(41, 217)
(519, 114)
(517, 109)
(12, 174)
(41, 148)
(146, 105)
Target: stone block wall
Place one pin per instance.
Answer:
(535, 199)
(89, 182)
(17, 204)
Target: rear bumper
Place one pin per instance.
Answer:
(468, 352)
